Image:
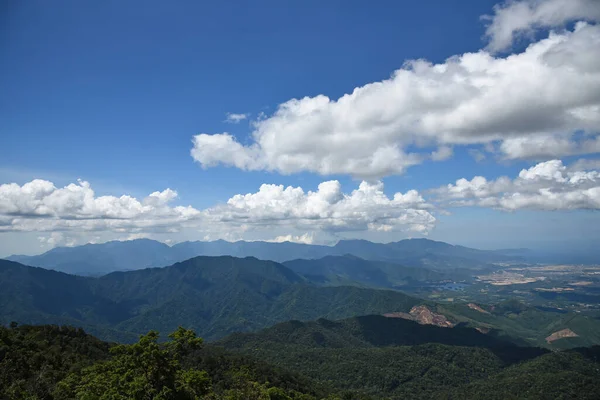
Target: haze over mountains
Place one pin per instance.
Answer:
(98, 259)
(217, 296)
(321, 325)
(213, 295)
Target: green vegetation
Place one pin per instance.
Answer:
(573, 374)
(526, 325)
(382, 356)
(34, 358)
(51, 362)
(358, 358)
(364, 331)
(212, 295)
(350, 270)
(217, 296)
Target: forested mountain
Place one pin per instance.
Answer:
(221, 295)
(387, 357)
(98, 259)
(363, 331)
(52, 362)
(360, 358)
(213, 295)
(352, 270)
(526, 324)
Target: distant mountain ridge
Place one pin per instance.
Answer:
(213, 295)
(98, 259)
(352, 270)
(217, 296)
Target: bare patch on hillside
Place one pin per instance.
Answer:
(423, 316)
(475, 307)
(564, 333)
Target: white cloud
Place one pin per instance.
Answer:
(40, 206)
(233, 118)
(548, 185)
(550, 93)
(327, 209)
(56, 239)
(307, 238)
(585, 164)
(514, 19)
(548, 146)
(74, 214)
(477, 154)
(441, 154)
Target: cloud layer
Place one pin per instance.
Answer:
(550, 93)
(273, 212)
(546, 186)
(234, 118)
(74, 214)
(327, 209)
(515, 19)
(40, 206)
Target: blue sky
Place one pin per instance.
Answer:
(113, 93)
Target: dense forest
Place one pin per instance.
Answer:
(289, 361)
(217, 296)
(61, 362)
(312, 345)
(401, 359)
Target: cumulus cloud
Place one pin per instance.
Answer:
(327, 209)
(74, 214)
(307, 238)
(233, 118)
(548, 185)
(541, 103)
(514, 19)
(41, 206)
(56, 239)
(548, 146)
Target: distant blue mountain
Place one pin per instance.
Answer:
(99, 259)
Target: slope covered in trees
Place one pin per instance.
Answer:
(217, 296)
(213, 295)
(351, 270)
(52, 362)
(401, 359)
(357, 360)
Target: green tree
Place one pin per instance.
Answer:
(145, 370)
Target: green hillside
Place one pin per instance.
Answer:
(528, 325)
(364, 331)
(52, 362)
(351, 270)
(357, 358)
(388, 357)
(573, 374)
(213, 295)
(217, 296)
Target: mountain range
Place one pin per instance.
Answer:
(395, 358)
(213, 295)
(322, 328)
(217, 296)
(99, 259)
(363, 358)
